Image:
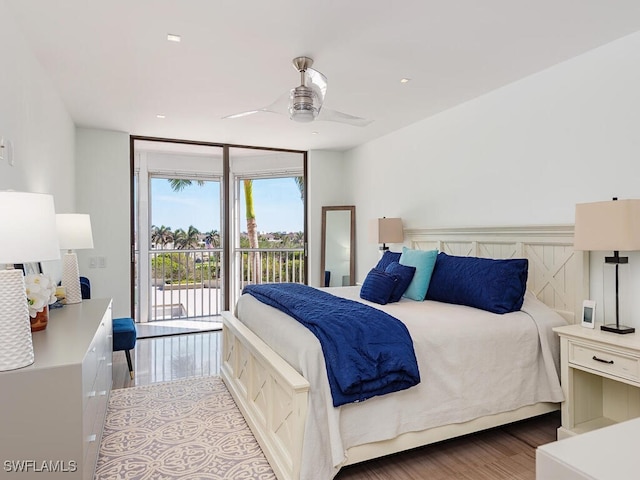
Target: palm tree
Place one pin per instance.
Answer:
(161, 235)
(179, 184)
(252, 230)
(155, 240)
(212, 238)
(179, 238)
(187, 240)
(192, 239)
(300, 183)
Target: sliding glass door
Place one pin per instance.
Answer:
(208, 219)
(185, 252)
(269, 217)
(178, 230)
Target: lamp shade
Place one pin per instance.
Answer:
(74, 231)
(386, 230)
(28, 223)
(612, 225)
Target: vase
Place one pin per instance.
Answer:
(39, 322)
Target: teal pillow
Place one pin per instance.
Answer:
(424, 261)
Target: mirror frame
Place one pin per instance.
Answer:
(352, 240)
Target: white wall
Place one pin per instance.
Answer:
(34, 120)
(102, 190)
(327, 186)
(524, 154)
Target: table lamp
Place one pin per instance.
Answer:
(28, 235)
(615, 226)
(386, 230)
(74, 233)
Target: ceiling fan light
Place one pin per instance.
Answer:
(303, 115)
(301, 105)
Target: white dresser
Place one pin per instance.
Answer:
(52, 412)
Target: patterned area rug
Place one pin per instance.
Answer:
(186, 429)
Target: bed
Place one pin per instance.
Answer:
(283, 395)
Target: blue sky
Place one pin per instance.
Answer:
(276, 200)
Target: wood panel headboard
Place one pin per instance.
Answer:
(558, 275)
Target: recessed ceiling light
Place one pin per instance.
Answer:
(173, 38)
(405, 80)
(314, 133)
(160, 116)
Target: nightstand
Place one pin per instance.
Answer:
(600, 375)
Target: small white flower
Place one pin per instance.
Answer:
(40, 292)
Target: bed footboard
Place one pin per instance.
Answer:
(271, 395)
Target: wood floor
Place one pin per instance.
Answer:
(504, 453)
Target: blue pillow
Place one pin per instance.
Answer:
(378, 286)
(424, 261)
(387, 258)
(405, 274)
(497, 286)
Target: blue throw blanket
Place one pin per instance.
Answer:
(367, 352)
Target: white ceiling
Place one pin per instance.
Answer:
(115, 69)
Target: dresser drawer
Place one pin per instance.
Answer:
(89, 373)
(98, 355)
(605, 361)
(89, 418)
(97, 398)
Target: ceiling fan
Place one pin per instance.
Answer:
(305, 102)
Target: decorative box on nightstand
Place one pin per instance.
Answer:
(600, 375)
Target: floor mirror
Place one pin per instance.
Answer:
(337, 260)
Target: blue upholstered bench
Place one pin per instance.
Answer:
(124, 338)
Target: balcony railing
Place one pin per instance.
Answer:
(262, 265)
(187, 283)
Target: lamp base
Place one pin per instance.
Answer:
(621, 329)
(16, 344)
(71, 278)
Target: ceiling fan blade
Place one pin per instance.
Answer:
(318, 83)
(242, 114)
(328, 115)
(279, 106)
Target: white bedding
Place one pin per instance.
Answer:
(472, 363)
